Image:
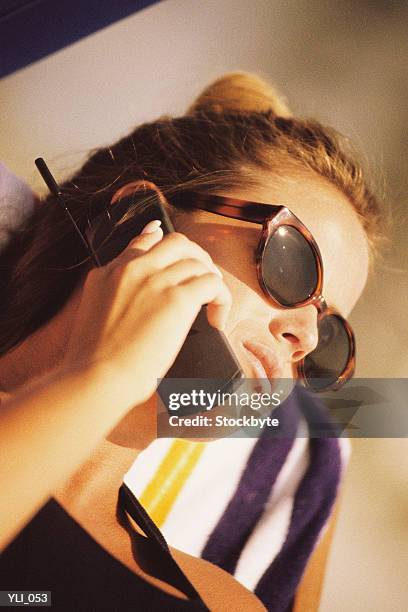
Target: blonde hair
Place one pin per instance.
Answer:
(289, 142)
(237, 126)
(241, 92)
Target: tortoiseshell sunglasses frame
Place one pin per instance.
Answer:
(273, 216)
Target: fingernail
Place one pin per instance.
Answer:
(151, 227)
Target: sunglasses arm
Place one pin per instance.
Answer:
(244, 210)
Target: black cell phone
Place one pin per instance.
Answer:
(206, 353)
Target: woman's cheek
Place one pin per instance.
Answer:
(246, 302)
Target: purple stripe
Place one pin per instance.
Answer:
(246, 506)
(313, 502)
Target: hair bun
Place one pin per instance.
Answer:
(240, 92)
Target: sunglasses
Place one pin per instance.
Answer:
(290, 272)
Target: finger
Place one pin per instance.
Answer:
(211, 290)
(176, 246)
(178, 272)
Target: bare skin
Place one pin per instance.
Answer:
(289, 333)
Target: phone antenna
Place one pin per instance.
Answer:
(54, 188)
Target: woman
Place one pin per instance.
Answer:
(238, 140)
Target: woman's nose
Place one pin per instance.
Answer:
(296, 331)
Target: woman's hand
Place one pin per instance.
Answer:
(132, 319)
(135, 312)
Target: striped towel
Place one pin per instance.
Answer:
(255, 507)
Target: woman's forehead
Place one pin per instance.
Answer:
(334, 224)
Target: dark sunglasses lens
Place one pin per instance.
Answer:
(327, 362)
(289, 266)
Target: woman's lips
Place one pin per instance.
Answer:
(263, 359)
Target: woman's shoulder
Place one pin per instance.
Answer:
(219, 589)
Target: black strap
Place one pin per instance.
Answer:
(151, 553)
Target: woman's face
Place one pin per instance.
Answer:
(288, 334)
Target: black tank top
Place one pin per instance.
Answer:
(53, 553)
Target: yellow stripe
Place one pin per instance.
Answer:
(161, 492)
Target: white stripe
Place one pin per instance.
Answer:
(270, 533)
(345, 453)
